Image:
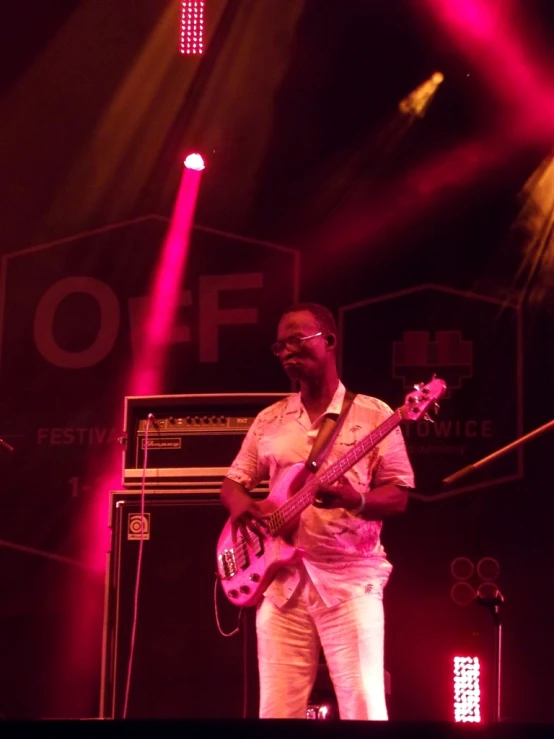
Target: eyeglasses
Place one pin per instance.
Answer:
(293, 342)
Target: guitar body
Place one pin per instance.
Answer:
(246, 572)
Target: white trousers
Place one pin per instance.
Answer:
(352, 637)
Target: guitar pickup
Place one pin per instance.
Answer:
(255, 543)
(242, 559)
(259, 549)
(245, 561)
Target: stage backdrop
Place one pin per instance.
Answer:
(70, 312)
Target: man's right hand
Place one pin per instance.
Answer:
(246, 514)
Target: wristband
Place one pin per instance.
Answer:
(356, 511)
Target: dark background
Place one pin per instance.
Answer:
(295, 105)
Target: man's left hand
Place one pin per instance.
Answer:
(339, 495)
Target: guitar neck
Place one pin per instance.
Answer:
(306, 495)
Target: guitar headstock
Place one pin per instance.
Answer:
(421, 399)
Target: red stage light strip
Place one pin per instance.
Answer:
(192, 27)
(467, 693)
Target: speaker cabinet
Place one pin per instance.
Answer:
(182, 667)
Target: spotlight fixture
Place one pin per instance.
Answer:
(467, 693)
(194, 161)
(417, 102)
(192, 27)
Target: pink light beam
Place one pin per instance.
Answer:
(78, 626)
(489, 41)
(163, 301)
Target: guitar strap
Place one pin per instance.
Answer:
(328, 431)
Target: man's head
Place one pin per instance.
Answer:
(306, 341)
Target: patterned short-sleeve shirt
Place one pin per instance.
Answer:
(342, 552)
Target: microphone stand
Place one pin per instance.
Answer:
(493, 604)
(499, 453)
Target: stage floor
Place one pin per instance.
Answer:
(269, 729)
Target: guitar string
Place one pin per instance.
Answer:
(297, 503)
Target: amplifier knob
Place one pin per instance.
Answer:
(205, 419)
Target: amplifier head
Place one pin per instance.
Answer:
(191, 440)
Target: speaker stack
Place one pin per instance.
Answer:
(164, 655)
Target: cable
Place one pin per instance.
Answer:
(139, 566)
(216, 612)
(245, 670)
(235, 631)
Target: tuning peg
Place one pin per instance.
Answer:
(418, 386)
(436, 408)
(427, 417)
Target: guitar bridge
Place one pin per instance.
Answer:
(230, 561)
(227, 564)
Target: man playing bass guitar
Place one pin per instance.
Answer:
(332, 597)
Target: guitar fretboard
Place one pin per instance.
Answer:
(306, 495)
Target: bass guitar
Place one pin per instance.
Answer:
(247, 565)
